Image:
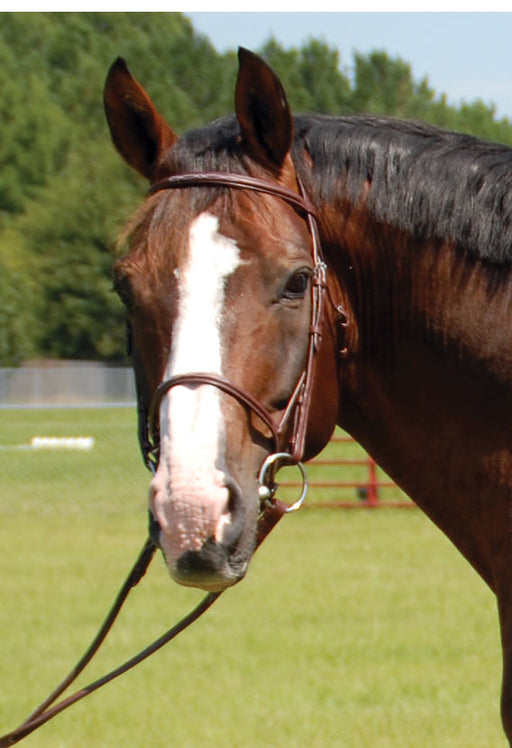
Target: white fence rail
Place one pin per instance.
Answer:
(64, 386)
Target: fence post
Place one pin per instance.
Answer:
(373, 486)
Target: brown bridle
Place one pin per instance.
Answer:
(290, 452)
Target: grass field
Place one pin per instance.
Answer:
(352, 629)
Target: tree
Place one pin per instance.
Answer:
(64, 193)
(311, 76)
(62, 187)
(16, 320)
(384, 85)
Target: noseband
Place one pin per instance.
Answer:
(288, 451)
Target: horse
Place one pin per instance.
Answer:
(287, 273)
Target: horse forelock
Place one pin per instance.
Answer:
(163, 219)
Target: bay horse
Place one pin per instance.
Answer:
(402, 233)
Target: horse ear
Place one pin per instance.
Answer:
(139, 132)
(262, 111)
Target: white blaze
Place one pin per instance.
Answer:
(188, 495)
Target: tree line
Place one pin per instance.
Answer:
(64, 193)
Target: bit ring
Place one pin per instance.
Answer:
(266, 492)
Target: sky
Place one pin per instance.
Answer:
(465, 55)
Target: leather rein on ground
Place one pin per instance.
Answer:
(272, 509)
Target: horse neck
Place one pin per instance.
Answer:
(428, 377)
(401, 292)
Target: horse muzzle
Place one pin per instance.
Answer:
(216, 555)
(206, 542)
(207, 525)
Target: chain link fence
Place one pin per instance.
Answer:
(68, 440)
(71, 385)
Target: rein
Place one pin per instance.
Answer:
(289, 452)
(45, 711)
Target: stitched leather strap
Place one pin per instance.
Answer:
(228, 179)
(300, 400)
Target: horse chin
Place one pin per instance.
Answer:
(213, 567)
(192, 570)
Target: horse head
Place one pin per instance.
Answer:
(218, 282)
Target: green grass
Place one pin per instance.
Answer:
(352, 629)
(110, 478)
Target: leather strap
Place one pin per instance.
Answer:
(300, 400)
(197, 378)
(229, 179)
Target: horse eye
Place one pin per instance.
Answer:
(296, 285)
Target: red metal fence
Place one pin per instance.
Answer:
(345, 476)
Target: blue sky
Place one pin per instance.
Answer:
(468, 56)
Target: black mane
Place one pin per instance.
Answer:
(432, 183)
